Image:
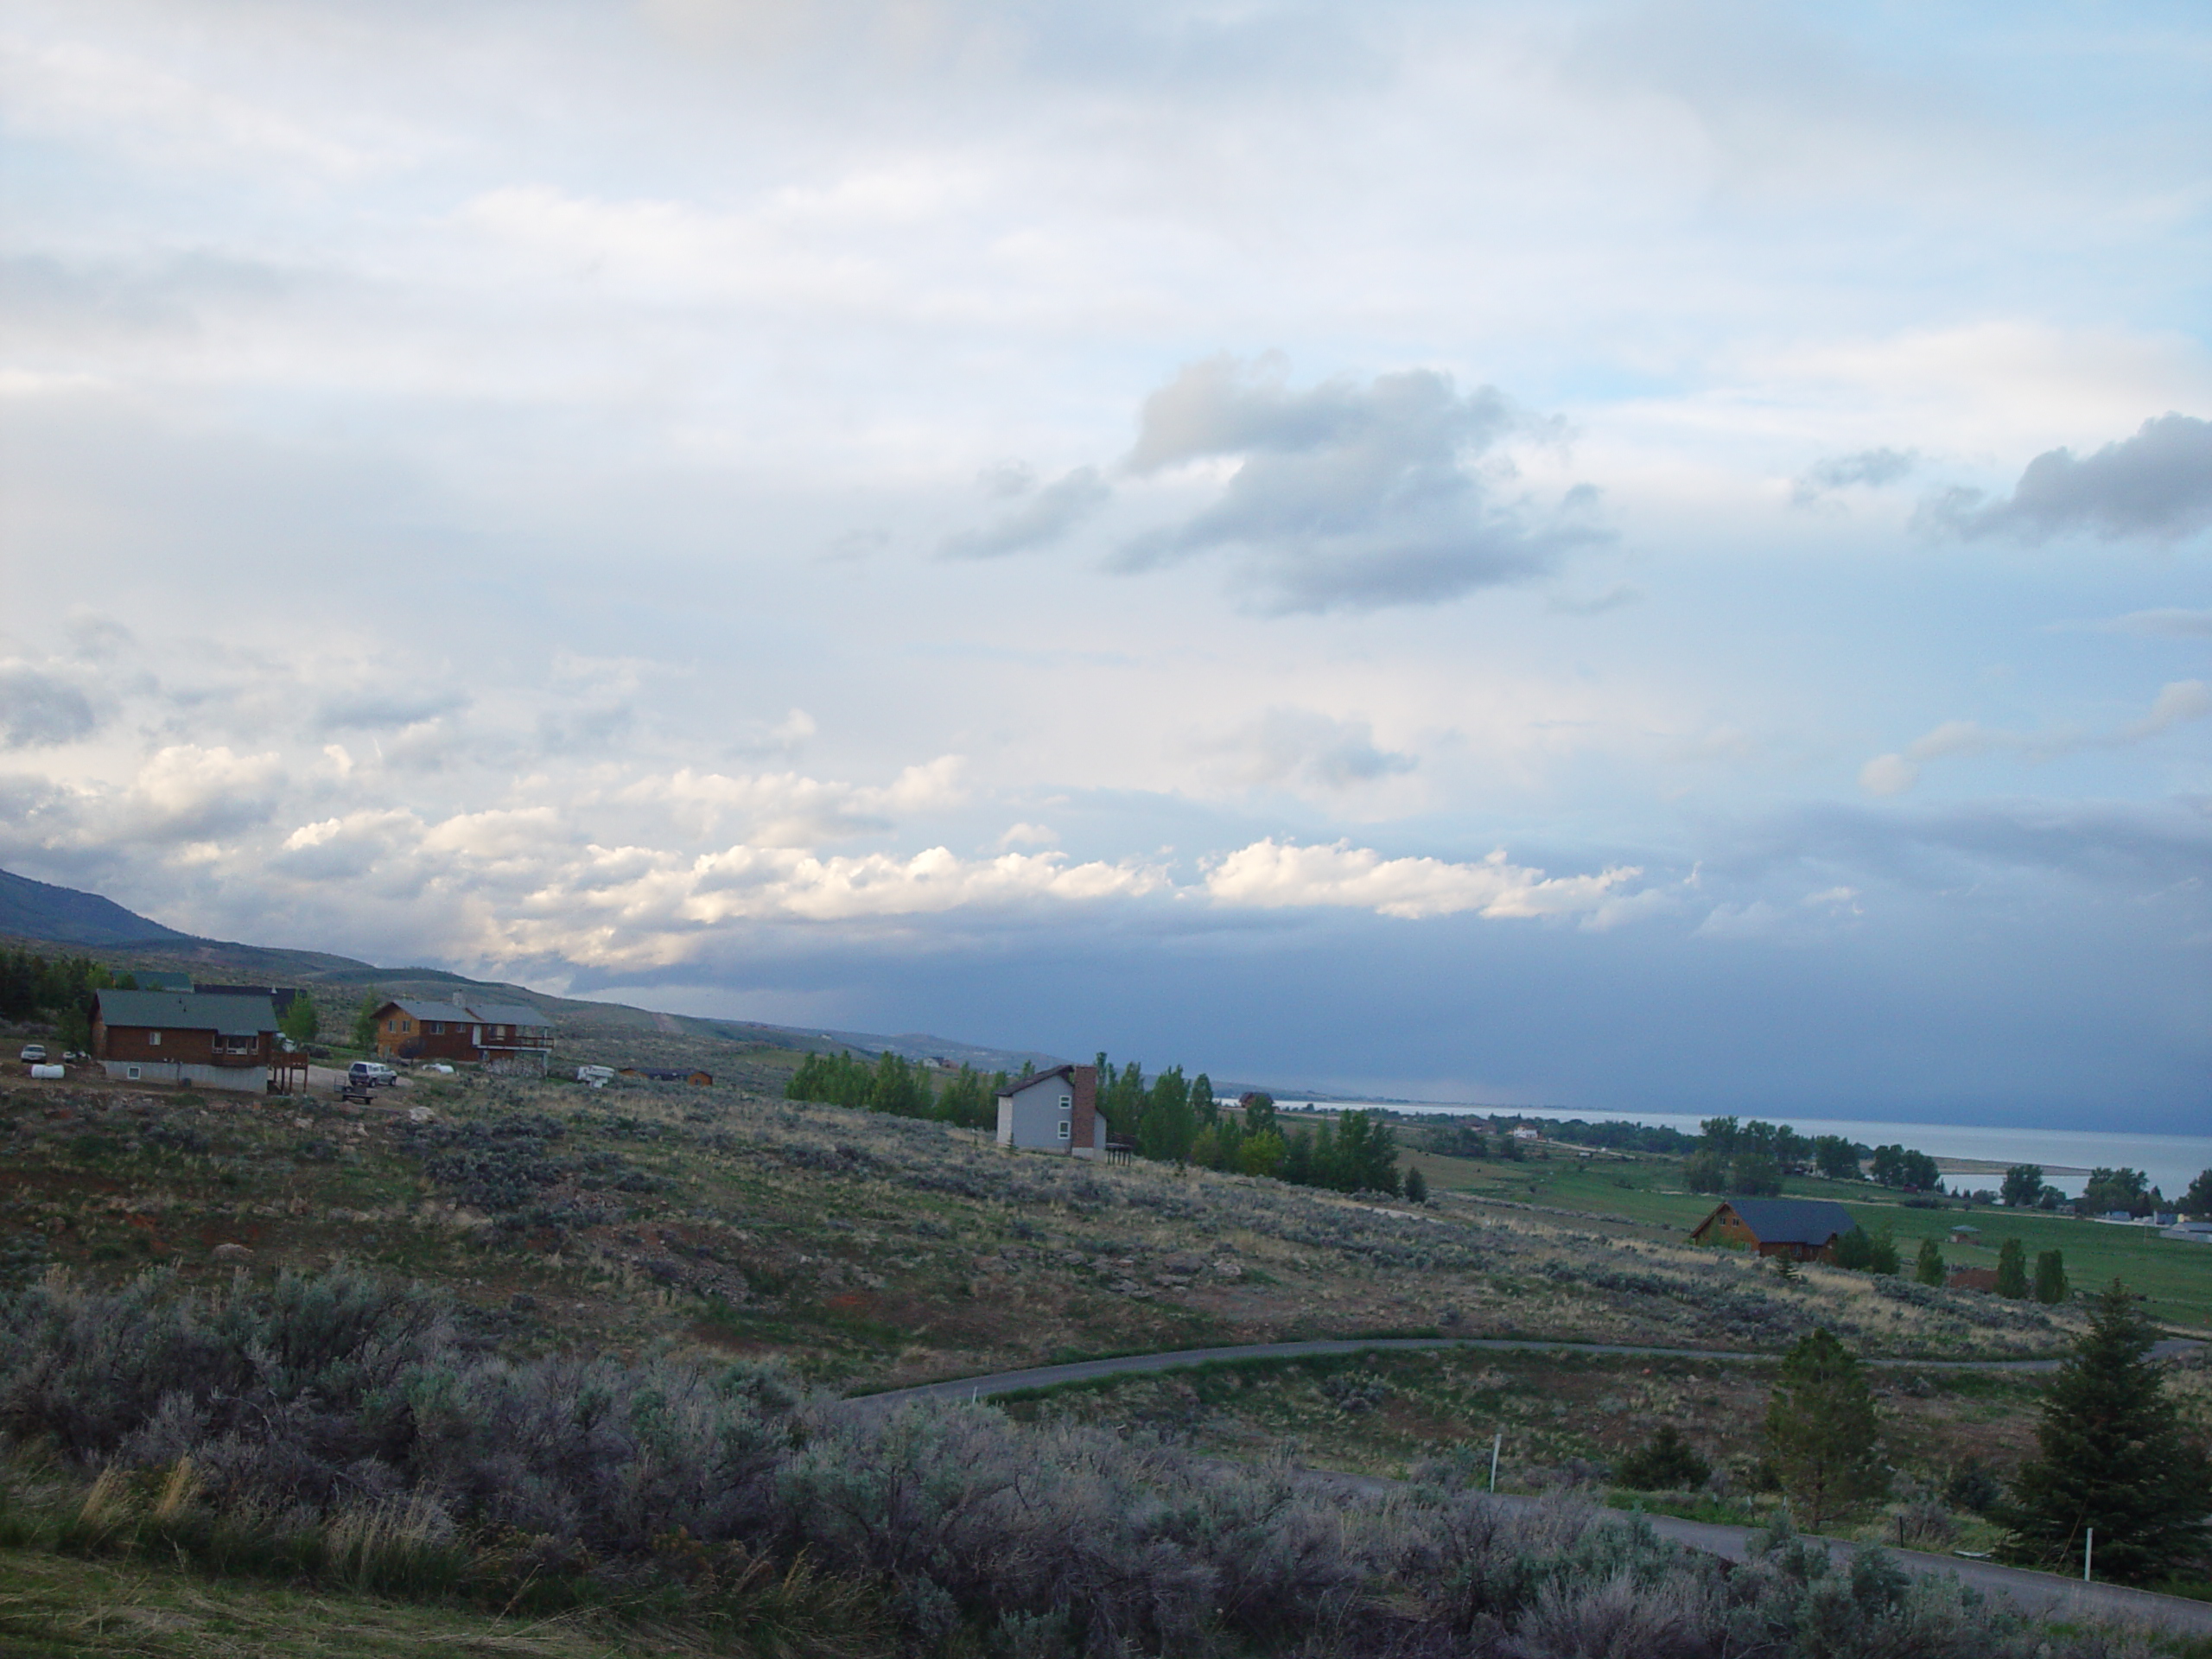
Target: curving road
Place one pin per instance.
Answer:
(1183, 1359)
(2043, 1595)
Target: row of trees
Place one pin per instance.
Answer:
(1750, 1159)
(2105, 1190)
(1173, 1122)
(1876, 1252)
(1168, 1118)
(899, 1086)
(2114, 1452)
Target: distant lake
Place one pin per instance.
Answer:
(2171, 1161)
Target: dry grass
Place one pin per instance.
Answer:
(53, 1604)
(873, 1251)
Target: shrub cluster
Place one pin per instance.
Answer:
(337, 1428)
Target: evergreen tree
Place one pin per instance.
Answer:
(2050, 1276)
(1416, 1186)
(1260, 1115)
(2114, 1457)
(2012, 1269)
(1298, 1160)
(1865, 1252)
(1820, 1432)
(1665, 1462)
(1928, 1266)
(364, 1021)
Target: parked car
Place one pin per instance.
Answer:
(371, 1074)
(34, 1053)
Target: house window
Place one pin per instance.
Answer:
(1067, 1103)
(437, 1028)
(153, 1039)
(133, 1074)
(1065, 1135)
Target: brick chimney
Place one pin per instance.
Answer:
(1082, 1133)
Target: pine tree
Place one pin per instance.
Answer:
(1416, 1186)
(2012, 1269)
(1820, 1432)
(1928, 1266)
(2114, 1457)
(2050, 1276)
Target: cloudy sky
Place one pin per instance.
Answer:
(1617, 556)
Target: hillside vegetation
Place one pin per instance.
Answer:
(871, 1249)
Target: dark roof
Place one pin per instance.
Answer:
(1036, 1077)
(226, 1016)
(483, 1014)
(507, 1014)
(1789, 1221)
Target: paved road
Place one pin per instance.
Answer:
(1086, 1371)
(2042, 1594)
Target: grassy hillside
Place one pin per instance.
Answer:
(873, 1250)
(2175, 1277)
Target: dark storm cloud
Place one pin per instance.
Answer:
(1345, 496)
(1043, 519)
(1869, 468)
(37, 709)
(2157, 484)
(1981, 848)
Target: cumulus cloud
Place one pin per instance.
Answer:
(37, 710)
(1344, 496)
(1272, 874)
(2157, 484)
(1894, 774)
(1045, 516)
(1302, 749)
(185, 792)
(1867, 469)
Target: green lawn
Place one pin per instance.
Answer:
(2176, 1277)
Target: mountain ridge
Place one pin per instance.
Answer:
(40, 914)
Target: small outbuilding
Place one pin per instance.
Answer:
(1803, 1229)
(208, 1040)
(1053, 1111)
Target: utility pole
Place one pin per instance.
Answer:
(1496, 1444)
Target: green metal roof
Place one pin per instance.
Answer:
(226, 1016)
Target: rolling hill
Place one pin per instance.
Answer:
(44, 917)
